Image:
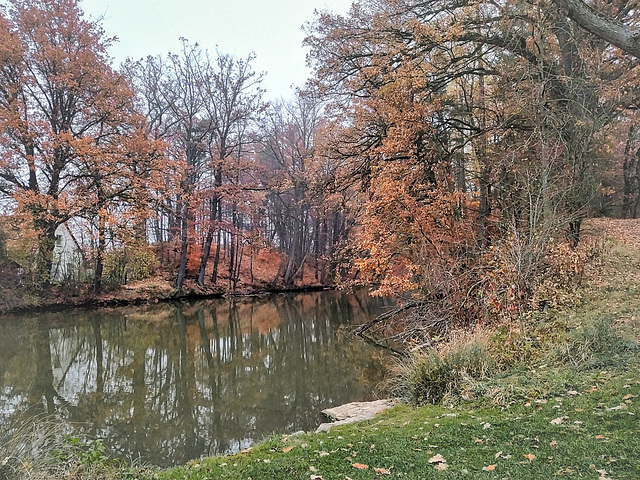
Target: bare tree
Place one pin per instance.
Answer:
(233, 100)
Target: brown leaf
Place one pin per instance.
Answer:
(441, 466)
(287, 449)
(360, 466)
(600, 437)
(489, 468)
(382, 471)
(437, 459)
(530, 456)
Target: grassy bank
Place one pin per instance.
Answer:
(590, 434)
(558, 396)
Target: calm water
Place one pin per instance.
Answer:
(169, 383)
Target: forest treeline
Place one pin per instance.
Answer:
(445, 151)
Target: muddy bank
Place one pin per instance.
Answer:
(21, 300)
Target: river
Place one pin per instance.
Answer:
(171, 382)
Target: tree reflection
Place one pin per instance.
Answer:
(175, 382)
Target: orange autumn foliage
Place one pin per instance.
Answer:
(72, 145)
(476, 137)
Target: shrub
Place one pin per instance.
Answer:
(124, 265)
(594, 346)
(511, 346)
(431, 376)
(39, 449)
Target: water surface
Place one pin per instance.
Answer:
(168, 383)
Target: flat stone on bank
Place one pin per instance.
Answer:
(354, 412)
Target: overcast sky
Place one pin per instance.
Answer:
(270, 28)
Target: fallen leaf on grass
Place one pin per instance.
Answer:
(315, 477)
(530, 456)
(603, 475)
(600, 437)
(287, 449)
(498, 454)
(437, 459)
(489, 468)
(246, 450)
(628, 396)
(619, 407)
(557, 421)
(441, 466)
(553, 443)
(360, 466)
(382, 471)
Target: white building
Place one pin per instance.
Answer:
(68, 262)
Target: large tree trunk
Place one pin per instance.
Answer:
(608, 29)
(44, 258)
(102, 242)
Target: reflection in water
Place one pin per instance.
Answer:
(173, 382)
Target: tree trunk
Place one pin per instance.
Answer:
(206, 251)
(44, 258)
(630, 177)
(215, 211)
(481, 153)
(622, 36)
(184, 239)
(216, 259)
(102, 242)
(573, 233)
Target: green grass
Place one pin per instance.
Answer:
(572, 435)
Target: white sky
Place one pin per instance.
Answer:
(270, 28)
